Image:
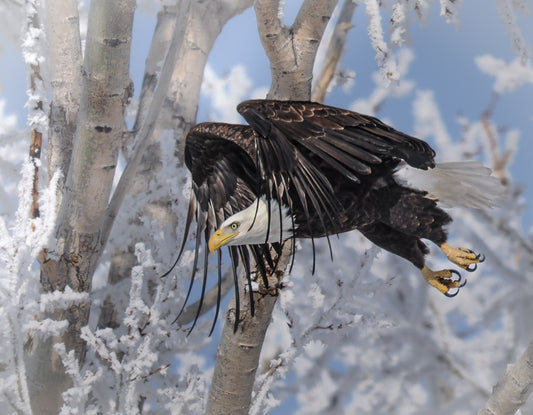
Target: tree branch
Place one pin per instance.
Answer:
(210, 299)
(292, 51)
(512, 391)
(334, 51)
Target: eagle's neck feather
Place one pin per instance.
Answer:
(255, 223)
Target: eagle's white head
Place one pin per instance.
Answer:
(250, 226)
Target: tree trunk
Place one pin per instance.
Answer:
(105, 91)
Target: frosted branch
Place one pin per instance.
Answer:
(384, 56)
(508, 13)
(450, 10)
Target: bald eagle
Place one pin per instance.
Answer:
(308, 170)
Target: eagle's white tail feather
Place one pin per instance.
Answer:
(462, 183)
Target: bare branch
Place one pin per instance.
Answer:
(210, 299)
(512, 391)
(334, 51)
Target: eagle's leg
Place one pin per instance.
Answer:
(463, 257)
(447, 281)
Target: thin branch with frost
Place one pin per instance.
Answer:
(450, 10)
(384, 89)
(335, 47)
(384, 55)
(507, 9)
(513, 389)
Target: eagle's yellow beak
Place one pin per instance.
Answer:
(218, 239)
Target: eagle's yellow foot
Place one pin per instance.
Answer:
(463, 257)
(444, 280)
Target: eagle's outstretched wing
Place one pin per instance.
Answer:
(223, 182)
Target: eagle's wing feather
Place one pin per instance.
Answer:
(223, 183)
(339, 130)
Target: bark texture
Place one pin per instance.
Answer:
(63, 35)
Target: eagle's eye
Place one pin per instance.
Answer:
(234, 226)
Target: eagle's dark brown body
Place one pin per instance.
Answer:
(350, 159)
(334, 169)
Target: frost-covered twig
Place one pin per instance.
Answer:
(507, 9)
(513, 389)
(384, 55)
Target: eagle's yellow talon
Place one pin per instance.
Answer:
(462, 257)
(444, 280)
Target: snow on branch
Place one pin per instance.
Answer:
(509, 76)
(507, 9)
(384, 89)
(450, 10)
(375, 31)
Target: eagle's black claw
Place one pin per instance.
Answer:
(471, 267)
(452, 294)
(456, 273)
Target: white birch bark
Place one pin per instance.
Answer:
(291, 52)
(63, 35)
(513, 389)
